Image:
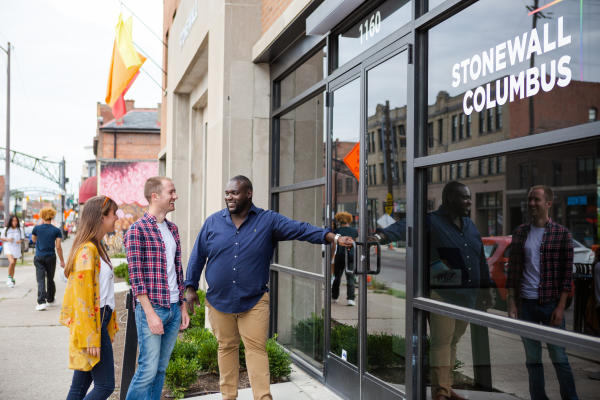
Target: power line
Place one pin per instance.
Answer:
(143, 23)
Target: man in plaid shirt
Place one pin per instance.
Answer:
(539, 281)
(154, 263)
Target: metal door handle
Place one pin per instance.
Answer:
(378, 264)
(353, 270)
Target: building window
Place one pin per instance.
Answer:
(349, 185)
(339, 183)
(461, 126)
(383, 173)
(381, 139)
(480, 168)
(556, 173)
(395, 172)
(440, 174)
(459, 170)
(402, 142)
(454, 127)
(393, 139)
(490, 119)
(489, 213)
(467, 169)
(592, 114)
(403, 171)
(430, 134)
(490, 166)
(468, 128)
(481, 123)
(498, 117)
(429, 175)
(498, 164)
(440, 132)
(586, 170)
(452, 171)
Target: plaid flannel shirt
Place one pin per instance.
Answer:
(147, 261)
(556, 261)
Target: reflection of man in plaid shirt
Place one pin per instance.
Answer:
(539, 280)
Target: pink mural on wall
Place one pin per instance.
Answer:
(124, 183)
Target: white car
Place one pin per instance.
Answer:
(581, 254)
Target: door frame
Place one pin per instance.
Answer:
(342, 376)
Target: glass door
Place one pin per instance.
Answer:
(366, 326)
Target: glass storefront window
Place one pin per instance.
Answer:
(307, 74)
(476, 237)
(471, 360)
(306, 205)
(488, 63)
(302, 142)
(300, 325)
(373, 27)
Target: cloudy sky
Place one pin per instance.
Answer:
(59, 70)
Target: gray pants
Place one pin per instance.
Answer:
(44, 273)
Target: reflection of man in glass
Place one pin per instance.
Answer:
(343, 219)
(458, 270)
(539, 281)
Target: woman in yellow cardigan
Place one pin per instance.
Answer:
(89, 303)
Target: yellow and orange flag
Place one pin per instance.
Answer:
(124, 68)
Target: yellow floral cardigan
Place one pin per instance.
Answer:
(81, 308)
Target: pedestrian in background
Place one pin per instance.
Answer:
(47, 239)
(89, 303)
(12, 247)
(343, 220)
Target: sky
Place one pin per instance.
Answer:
(61, 52)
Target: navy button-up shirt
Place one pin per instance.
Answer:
(237, 271)
(458, 266)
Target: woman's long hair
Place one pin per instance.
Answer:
(89, 227)
(9, 225)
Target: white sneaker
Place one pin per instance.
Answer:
(41, 307)
(351, 303)
(10, 283)
(51, 303)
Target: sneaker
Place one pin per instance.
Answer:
(10, 283)
(50, 303)
(41, 307)
(351, 303)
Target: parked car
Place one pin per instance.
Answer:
(497, 253)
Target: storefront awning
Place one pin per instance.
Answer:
(329, 14)
(88, 189)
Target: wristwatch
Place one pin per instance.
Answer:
(335, 239)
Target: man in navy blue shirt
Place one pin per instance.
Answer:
(238, 243)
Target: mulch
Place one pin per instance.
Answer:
(207, 383)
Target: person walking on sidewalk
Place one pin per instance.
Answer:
(89, 303)
(47, 239)
(238, 243)
(344, 219)
(156, 276)
(540, 276)
(12, 247)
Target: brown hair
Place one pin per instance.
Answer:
(343, 217)
(154, 185)
(548, 193)
(89, 227)
(47, 213)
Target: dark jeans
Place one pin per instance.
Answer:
(44, 272)
(103, 373)
(532, 311)
(338, 269)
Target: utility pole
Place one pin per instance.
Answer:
(7, 162)
(63, 190)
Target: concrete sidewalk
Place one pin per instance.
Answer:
(300, 387)
(33, 345)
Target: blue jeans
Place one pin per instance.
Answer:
(155, 352)
(103, 373)
(532, 311)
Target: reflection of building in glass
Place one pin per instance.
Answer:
(449, 129)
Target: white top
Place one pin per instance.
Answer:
(13, 248)
(531, 274)
(107, 285)
(597, 283)
(170, 249)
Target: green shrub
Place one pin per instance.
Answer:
(308, 336)
(197, 319)
(279, 360)
(181, 372)
(121, 271)
(184, 349)
(119, 255)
